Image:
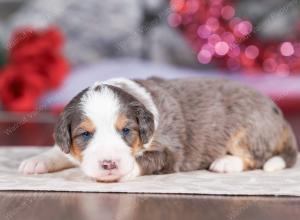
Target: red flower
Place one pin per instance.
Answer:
(41, 50)
(35, 66)
(19, 91)
(27, 42)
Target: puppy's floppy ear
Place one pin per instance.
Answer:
(62, 132)
(145, 120)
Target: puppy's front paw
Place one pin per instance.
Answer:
(227, 164)
(135, 172)
(36, 165)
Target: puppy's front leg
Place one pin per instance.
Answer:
(49, 161)
(153, 162)
(147, 163)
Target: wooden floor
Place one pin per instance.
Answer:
(92, 206)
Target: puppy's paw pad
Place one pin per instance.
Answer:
(34, 165)
(274, 164)
(227, 164)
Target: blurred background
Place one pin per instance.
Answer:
(51, 50)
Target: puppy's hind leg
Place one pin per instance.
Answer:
(274, 163)
(237, 153)
(49, 161)
(286, 156)
(227, 164)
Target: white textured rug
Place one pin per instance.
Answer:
(286, 182)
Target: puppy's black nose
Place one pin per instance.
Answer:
(108, 165)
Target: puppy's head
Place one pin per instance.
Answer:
(102, 128)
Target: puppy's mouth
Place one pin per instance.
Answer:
(108, 177)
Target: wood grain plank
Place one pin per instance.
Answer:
(92, 206)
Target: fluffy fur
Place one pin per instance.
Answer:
(119, 129)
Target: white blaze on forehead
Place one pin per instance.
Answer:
(102, 107)
(136, 90)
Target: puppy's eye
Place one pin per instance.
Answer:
(125, 131)
(86, 135)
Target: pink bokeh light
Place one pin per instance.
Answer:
(287, 49)
(251, 52)
(221, 48)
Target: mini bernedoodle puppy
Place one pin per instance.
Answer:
(120, 129)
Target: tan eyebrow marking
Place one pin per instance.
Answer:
(136, 144)
(121, 122)
(85, 125)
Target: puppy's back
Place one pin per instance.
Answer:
(225, 117)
